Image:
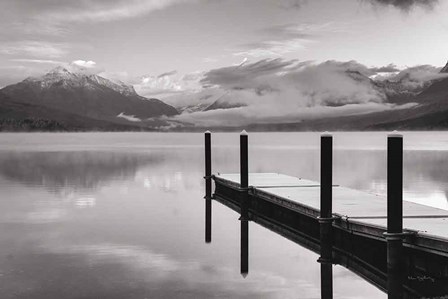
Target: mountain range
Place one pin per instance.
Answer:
(420, 105)
(65, 100)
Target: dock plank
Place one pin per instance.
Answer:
(267, 180)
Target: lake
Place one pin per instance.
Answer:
(121, 215)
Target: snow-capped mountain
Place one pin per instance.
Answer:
(85, 95)
(71, 79)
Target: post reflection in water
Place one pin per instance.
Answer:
(244, 219)
(208, 220)
(325, 260)
(244, 233)
(395, 269)
(244, 267)
(326, 280)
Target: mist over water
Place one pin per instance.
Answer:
(121, 215)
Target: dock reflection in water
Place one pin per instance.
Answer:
(395, 281)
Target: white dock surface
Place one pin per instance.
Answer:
(360, 206)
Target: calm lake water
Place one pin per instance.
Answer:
(121, 215)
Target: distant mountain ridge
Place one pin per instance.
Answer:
(87, 96)
(64, 100)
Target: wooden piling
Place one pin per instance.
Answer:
(244, 176)
(326, 185)
(395, 183)
(208, 165)
(244, 165)
(394, 235)
(326, 175)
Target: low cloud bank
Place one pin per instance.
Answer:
(279, 91)
(405, 5)
(417, 76)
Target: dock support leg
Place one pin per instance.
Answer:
(394, 235)
(208, 187)
(326, 216)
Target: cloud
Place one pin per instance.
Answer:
(10, 74)
(305, 29)
(292, 4)
(241, 76)
(84, 66)
(257, 114)
(104, 11)
(38, 61)
(278, 40)
(277, 90)
(286, 91)
(405, 5)
(167, 74)
(417, 76)
(166, 84)
(122, 76)
(274, 48)
(209, 60)
(33, 27)
(56, 18)
(390, 68)
(129, 117)
(34, 49)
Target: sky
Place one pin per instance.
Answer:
(129, 38)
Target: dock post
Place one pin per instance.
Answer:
(326, 215)
(244, 200)
(208, 187)
(326, 175)
(326, 195)
(208, 165)
(244, 165)
(244, 175)
(394, 235)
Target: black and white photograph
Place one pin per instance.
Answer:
(253, 149)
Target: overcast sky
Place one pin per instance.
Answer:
(141, 37)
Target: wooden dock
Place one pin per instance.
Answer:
(349, 205)
(399, 246)
(290, 207)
